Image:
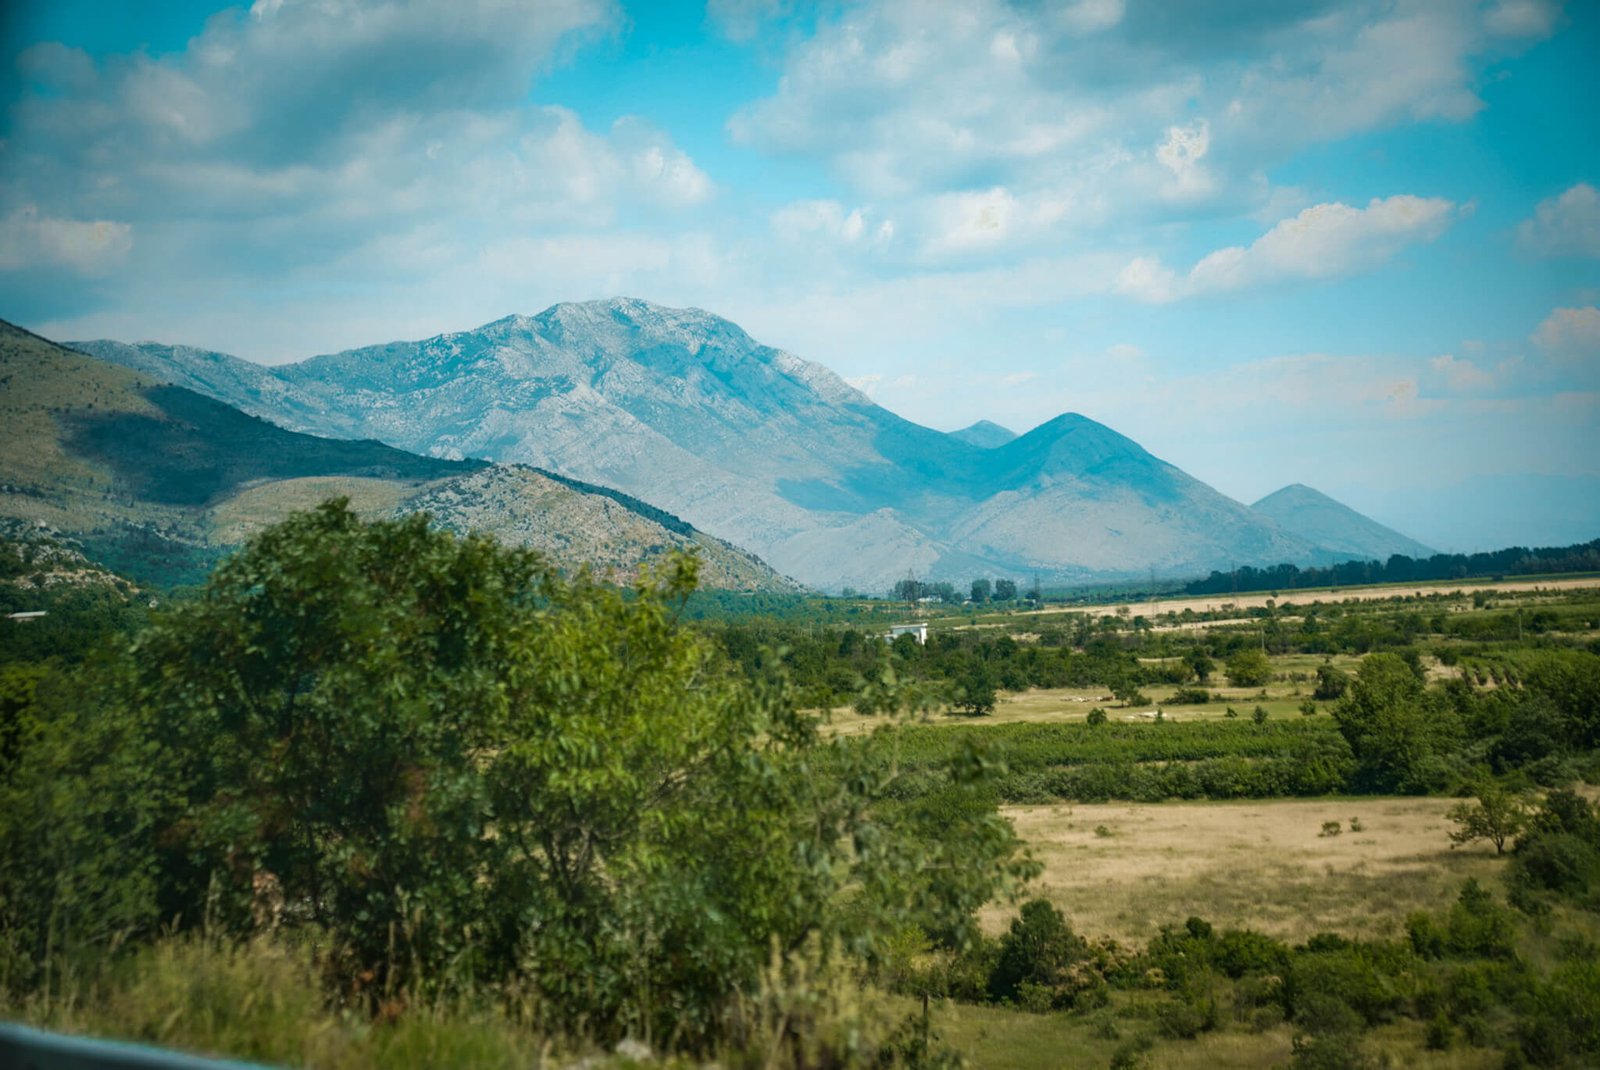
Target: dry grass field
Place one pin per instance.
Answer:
(246, 513)
(1125, 869)
(1217, 603)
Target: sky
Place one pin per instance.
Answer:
(1349, 244)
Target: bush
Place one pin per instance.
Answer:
(1349, 978)
(1249, 668)
(1035, 956)
(1331, 683)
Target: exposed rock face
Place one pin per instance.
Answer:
(754, 445)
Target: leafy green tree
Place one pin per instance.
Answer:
(975, 691)
(1331, 683)
(1005, 590)
(19, 684)
(1249, 668)
(981, 590)
(1400, 733)
(1038, 949)
(1201, 665)
(1496, 815)
(466, 768)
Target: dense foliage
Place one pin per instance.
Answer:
(1512, 561)
(463, 769)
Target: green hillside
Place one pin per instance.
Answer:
(158, 482)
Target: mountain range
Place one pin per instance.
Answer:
(158, 480)
(773, 453)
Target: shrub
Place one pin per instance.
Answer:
(1036, 954)
(1331, 683)
(1249, 668)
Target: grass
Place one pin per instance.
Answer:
(1071, 704)
(1000, 1038)
(242, 515)
(1261, 865)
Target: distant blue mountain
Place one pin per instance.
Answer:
(1333, 526)
(683, 409)
(984, 434)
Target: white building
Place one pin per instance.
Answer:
(918, 630)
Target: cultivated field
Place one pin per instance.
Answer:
(1379, 593)
(1125, 869)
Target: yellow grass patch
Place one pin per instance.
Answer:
(1262, 865)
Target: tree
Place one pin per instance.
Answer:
(1005, 590)
(464, 768)
(1201, 665)
(1496, 815)
(975, 692)
(1331, 683)
(981, 590)
(1038, 949)
(1398, 731)
(1249, 668)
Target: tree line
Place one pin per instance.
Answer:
(1512, 561)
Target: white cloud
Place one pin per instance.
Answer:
(1522, 18)
(1571, 336)
(971, 220)
(741, 20)
(85, 247)
(1181, 153)
(1091, 16)
(384, 144)
(660, 171)
(1567, 225)
(1323, 241)
(1121, 112)
(824, 218)
(1461, 376)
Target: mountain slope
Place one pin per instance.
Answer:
(1318, 518)
(159, 480)
(766, 450)
(984, 434)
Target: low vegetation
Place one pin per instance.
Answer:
(382, 794)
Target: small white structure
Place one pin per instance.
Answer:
(33, 614)
(918, 630)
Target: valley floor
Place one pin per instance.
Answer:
(1125, 869)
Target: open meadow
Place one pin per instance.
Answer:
(1125, 869)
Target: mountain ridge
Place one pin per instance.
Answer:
(759, 447)
(1307, 511)
(164, 480)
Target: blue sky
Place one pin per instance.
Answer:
(1355, 245)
